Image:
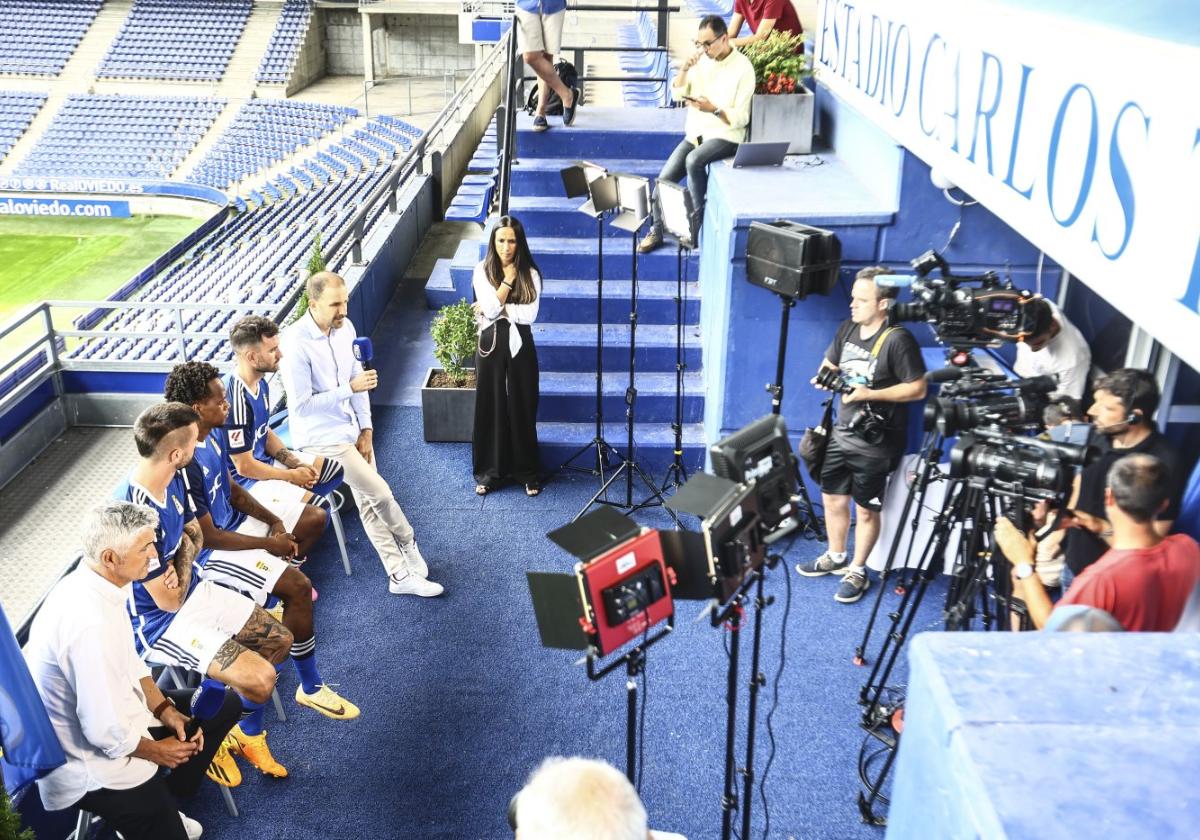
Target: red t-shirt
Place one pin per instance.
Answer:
(1145, 589)
(782, 11)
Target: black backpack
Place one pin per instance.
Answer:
(554, 106)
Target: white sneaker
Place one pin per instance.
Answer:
(413, 559)
(412, 584)
(193, 828)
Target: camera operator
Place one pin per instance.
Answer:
(884, 365)
(1121, 414)
(1144, 580)
(1055, 347)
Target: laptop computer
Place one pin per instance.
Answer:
(760, 154)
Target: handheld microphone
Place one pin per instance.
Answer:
(946, 374)
(206, 702)
(363, 352)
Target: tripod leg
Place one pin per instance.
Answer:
(757, 680)
(632, 667)
(729, 801)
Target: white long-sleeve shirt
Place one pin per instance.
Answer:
(728, 84)
(316, 370)
(516, 313)
(81, 655)
(1067, 357)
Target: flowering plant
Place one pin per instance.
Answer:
(778, 67)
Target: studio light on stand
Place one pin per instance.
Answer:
(593, 181)
(793, 261)
(633, 200)
(679, 223)
(619, 592)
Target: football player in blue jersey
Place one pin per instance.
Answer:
(179, 619)
(258, 453)
(246, 545)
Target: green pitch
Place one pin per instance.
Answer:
(79, 258)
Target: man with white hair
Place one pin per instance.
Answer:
(116, 727)
(583, 799)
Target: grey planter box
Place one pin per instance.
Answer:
(786, 116)
(447, 414)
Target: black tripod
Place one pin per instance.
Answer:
(629, 466)
(677, 472)
(776, 391)
(603, 453)
(635, 663)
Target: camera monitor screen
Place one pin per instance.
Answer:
(626, 591)
(761, 452)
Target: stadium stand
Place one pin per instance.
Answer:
(115, 136)
(640, 61)
(264, 132)
(37, 37)
(232, 266)
(285, 42)
(184, 40)
(17, 110)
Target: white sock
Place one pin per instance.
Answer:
(839, 556)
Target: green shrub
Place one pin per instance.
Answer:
(778, 68)
(455, 340)
(10, 821)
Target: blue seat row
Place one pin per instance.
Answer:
(17, 110)
(177, 40)
(285, 43)
(38, 38)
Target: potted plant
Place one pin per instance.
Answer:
(782, 107)
(316, 263)
(448, 395)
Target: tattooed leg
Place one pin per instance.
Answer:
(264, 635)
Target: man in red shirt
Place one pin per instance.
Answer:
(1144, 580)
(764, 17)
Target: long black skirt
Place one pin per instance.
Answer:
(505, 444)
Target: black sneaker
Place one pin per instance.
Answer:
(540, 124)
(569, 113)
(855, 583)
(823, 565)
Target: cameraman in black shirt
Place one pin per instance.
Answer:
(1122, 414)
(883, 364)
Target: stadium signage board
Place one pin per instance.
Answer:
(42, 207)
(110, 186)
(1081, 137)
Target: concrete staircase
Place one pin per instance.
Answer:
(563, 242)
(238, 81)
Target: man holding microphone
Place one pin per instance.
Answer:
(330, 415)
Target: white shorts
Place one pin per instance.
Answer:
(540, 33)
(253, 572)
(211, 616)
(282, 498)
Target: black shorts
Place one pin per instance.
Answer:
(849, 472)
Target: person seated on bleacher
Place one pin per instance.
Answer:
(178, 619)
(276, 476)
(1143, 580)
(247, 546)
(583, 799)
(330, 414)
(116, 727)
(717, 83)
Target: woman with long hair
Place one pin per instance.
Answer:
(508, 288)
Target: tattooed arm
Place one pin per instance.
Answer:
(185, 555)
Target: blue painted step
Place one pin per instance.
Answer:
(572, 347)
(543, 176)
(575, 259)
(574, 302)
(439, 289)
(572, 396)
(653, 450)
(555, 216)
(636, 133)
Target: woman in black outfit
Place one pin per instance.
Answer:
(508, 288)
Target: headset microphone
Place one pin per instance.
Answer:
(364, 353)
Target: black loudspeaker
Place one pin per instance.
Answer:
(791, 259)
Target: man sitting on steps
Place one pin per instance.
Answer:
(717, 83)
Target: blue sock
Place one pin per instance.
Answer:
(252, 717)
(304, 654)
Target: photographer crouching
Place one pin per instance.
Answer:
(874, 367)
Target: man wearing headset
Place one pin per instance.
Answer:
(1122, 414)
(883, 365)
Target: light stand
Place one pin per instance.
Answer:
(633, 194)
(679, 222)
(594, 181)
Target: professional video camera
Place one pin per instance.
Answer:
(980, 397)
(968, 311)
(1020, 467)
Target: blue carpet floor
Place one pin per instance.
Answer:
(460, 702)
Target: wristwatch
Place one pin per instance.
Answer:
(717, 113)
(1024, 570)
